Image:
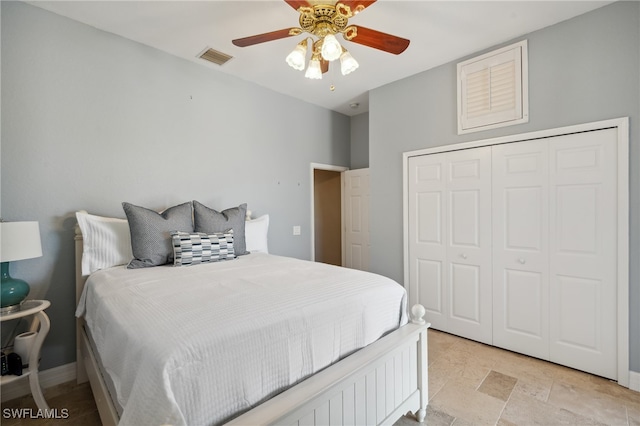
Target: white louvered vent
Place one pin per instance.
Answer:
(214, 56)
(492, 89)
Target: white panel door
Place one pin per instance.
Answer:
(583, 255)
(356, 196)
(450, 240)
(520, 247)
(427, 248)
(468, 241)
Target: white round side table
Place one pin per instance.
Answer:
(39, 324)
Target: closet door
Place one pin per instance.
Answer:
(520, 247)
(450, 240)
(468, 241)
(582, 240)
(428, 274)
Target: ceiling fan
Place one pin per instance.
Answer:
(324, 21)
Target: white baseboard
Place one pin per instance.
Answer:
(634, 381)
(51, 377)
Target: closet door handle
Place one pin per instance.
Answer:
(463, 255)
(522, 261)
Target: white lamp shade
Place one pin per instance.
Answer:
(314, 71)
(331, 49)
(347, 63)
(19, 241)
(296, 58)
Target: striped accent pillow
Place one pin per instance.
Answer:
(193, 248)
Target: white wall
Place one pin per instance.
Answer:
(90, 120)
(581, 70)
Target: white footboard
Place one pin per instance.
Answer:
(374, 386)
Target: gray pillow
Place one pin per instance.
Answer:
(211, 221)
(150, 239)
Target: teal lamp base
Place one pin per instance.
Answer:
(13, 290)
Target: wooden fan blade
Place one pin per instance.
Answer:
(324, 65)
(357, 6)
(261, 38)
(379, 40)
(297, 4)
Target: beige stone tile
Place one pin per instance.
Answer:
(529, 371)
(503, 422)
(438, 418)
(498, 385)
(469, 360)
(442, 338)
(406, 421)
(575, 377)
(433, 418)
(525, 410)
(613, 389)
(459, 365)
(463, 422)
(462, 401)
(438, 377)
(633, 415)
(439, 343)
(539, 390)
(589, 403)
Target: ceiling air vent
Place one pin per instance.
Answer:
(214, 56)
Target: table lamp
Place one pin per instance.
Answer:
(18, 241)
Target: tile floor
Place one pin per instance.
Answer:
(469, 384)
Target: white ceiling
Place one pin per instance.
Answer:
(440, 32)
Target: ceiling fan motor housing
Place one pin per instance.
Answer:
(323, 19)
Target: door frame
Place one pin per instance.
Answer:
(622, 125)
(331, 168)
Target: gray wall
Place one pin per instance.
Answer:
(581, 70)
(360, 141)
(90, 119)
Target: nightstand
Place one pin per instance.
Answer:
(40, 324)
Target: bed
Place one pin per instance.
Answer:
(255, 343)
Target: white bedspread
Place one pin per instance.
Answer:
(200, 345)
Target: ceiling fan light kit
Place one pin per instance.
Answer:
(347, 63)
(296, 58)
(331, 49)
(314, 71)
(324, 21)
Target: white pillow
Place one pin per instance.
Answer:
(255, 232)
(106, 242)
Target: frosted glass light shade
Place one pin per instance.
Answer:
(296, 58)
(313, 70)
(331, 49)
(19, 241)
(347, 63)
